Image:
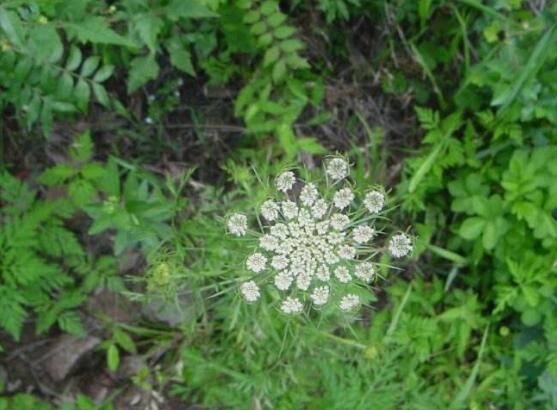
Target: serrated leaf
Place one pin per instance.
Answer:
(180, 57)
(97, 30)
(142, 70)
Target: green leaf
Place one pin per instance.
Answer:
(81, 191)
(271, 55)
(149, 27)
(56, 175)
(82, 94)
(180, 56)
(279, 71)
(45, 44)
(188, 9)
(311, 146)
(536, 60)
(101, 94)
(74, 59)
(82, 148)
(284, 32)
(103, 74)
(90, 65)
(112, 358)
(472, 227)
(11, 24)
(124, 340)
(96, 30)
(142, 70)
(292, 45)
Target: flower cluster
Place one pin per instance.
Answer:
(317, 247)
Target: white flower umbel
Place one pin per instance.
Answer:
(270, 210)
(256, 262)
(343, 274)
(286, 181)
(250, 291)
(309, 194)
(365, 271)
(363, 234)
(400, 245)
(337, 169)
(291, 306)
(349, 302)
(283, 280)
(320, 295)
(374, 201)
(238, 224)
(343, 198)
(316, 244)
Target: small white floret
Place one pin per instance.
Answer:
(283, 280)
(250, 291)
(319, 209)
(289, 209)
(374, 201)
(309, 194)
(285, 181)
(279, 262)
(349, 302)
(320, 295)
(337, 169)
(269, 242)
(365, 271)
(343, 198)
(339, 221)
(400, 245)
(238, 224)
(343, 274)
(256, 262)
(346, 252)
(270, 210)
(363, 234)
(291, 306)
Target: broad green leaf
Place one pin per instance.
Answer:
(11, 25)
(142, 70)
(472, 227)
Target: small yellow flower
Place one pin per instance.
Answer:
(42, 20)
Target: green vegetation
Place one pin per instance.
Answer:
(132, 129)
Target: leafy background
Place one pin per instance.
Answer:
(130, 128)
